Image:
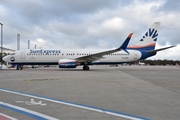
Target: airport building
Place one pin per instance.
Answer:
(6, 50)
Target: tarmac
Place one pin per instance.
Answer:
(102, 93)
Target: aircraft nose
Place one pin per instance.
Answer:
(5, 58)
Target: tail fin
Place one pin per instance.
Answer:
(148, 41)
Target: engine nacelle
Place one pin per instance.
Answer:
(67, 63)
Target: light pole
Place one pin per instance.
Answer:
(1, 42)
(18, 41)
(28, 44)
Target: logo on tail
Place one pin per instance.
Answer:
(151, 33)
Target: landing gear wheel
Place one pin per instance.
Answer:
(19, 67)
(85, 67)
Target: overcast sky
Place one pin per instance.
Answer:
(58, 24)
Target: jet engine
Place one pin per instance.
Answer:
(67, 63)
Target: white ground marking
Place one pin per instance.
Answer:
(32, 102)
(29, 111)
(122, 115)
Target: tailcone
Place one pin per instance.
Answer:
(145, 55)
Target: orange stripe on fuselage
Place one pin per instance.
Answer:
(137, 46)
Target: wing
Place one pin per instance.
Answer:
(96, 56)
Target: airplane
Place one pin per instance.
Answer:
(71, 58)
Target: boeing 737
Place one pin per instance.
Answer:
(71, 58)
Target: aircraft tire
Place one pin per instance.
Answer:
(17, 68)
(85, 67)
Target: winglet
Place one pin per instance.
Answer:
(125, 44)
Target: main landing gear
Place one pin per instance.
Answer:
(85, 67)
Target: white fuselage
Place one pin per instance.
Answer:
(53, 56)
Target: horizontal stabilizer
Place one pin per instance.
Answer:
(157, 50)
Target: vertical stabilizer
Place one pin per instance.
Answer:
(148, 41)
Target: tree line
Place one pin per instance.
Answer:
(161, 62)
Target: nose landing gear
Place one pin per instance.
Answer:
(19, 67)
